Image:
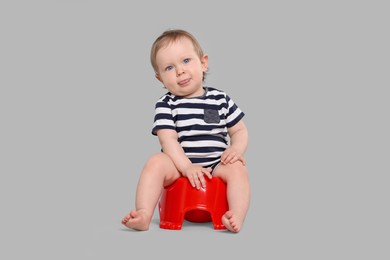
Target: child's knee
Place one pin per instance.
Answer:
(234, 170)
(158, 159)
(162, 164)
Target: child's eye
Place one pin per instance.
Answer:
(168, 68)
(186, 60)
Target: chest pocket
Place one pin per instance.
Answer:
(211, 116)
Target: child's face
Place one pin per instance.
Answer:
(180, 69)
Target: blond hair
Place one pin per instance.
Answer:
(168, 37)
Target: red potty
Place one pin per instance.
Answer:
(181, 201)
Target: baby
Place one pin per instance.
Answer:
(200, 129)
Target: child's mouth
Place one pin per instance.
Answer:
(184, 82)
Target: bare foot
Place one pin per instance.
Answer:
(136, 220)
(231, 222)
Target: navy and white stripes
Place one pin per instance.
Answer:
(201, 123)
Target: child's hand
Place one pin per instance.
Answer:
(195, 174)
(230, 155)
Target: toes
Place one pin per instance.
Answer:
(236, 228)
(133, 214)
(229, 214)
(125, 219)
(230, 222)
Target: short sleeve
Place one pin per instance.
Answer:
(234, 113)
(163, 118)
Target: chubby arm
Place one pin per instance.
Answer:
(169, 142)
(238, 144)
(170, 146)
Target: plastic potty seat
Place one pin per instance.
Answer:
(181, 201)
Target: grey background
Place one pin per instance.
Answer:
(77, 102)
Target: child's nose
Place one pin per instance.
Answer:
(179, 71)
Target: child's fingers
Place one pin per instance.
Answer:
(239, 158)
(195, 181)
(223, 157)
(191, 180)
(207, 172)
(235, 158)
(199, 182)
(228, 159)
(242, 159)
(200, 177)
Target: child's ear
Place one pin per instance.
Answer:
(158, 77)
(205, 62)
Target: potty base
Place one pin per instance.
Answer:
(181, 201)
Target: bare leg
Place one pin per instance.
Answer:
(238, 194)
(159, 171)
